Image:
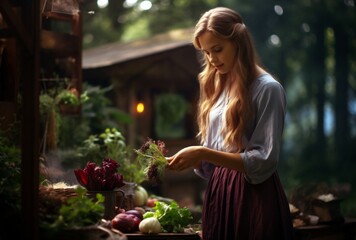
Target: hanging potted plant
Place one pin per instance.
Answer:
(68, 101)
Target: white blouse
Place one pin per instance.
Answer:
(263, 137)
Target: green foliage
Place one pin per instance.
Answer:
(171, 217)
(170, 109)
(118, 23)
(68, 98)
(97, 114)
(111, 144)
(151, 158)
(10, 177)
(79, 211)
(99, 110)
(102, 25)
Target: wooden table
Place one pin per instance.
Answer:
(333, 231)
(163, 236)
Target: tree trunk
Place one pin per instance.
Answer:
(319, 57)
(342, 67)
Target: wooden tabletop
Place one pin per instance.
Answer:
(340, 230)
(164, 236)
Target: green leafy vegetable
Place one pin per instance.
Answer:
(80, 211)
(111, 144)
(172, 217)
(100, 178)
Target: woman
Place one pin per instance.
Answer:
(241, 115)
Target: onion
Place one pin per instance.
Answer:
(140, 196)
(150, 225)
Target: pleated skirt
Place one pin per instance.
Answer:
(234, 209)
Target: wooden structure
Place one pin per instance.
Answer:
(61, 43)
(19, 43)
(27, 46)
(141, 70)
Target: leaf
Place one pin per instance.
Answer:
(172, 217)
(79, 211)
(151, 157)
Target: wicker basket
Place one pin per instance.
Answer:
(51, 199)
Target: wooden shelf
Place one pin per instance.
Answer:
(61, 48)
(60, 16)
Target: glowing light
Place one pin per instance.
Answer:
(306, 27)
(140, 107)
(278, 9)
(274, 40)
(145, 5)
(102, 3)
(129, 3)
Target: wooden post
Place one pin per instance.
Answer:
(30, 120)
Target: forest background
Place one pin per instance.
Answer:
(309, 45)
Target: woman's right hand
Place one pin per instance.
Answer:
(186, 158)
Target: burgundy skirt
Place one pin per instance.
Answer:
(234, 209)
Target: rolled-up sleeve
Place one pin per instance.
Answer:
(261, 154)
(205, 170)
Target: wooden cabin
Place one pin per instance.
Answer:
(141, 71)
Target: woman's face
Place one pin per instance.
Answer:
(220, 52)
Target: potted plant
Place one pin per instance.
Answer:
(105, 180)
(69, 100)
(111, 144)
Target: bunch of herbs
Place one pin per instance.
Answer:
(151, 155)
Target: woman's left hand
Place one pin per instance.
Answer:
(185, 158)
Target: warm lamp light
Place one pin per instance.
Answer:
(140, 107)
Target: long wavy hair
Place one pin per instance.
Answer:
(227, 24)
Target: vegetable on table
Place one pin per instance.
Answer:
(135, 213)
(100, 178)
(151, 202)
(140, 197)
(150, 225)
(171, 217)
(125, 223)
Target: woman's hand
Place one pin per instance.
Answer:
(185, 158)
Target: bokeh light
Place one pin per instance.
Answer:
(145, 5)
(278, 10)
(102, 3)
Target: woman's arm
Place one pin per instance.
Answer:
(193, 155)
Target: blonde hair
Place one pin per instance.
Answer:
(227, 24)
